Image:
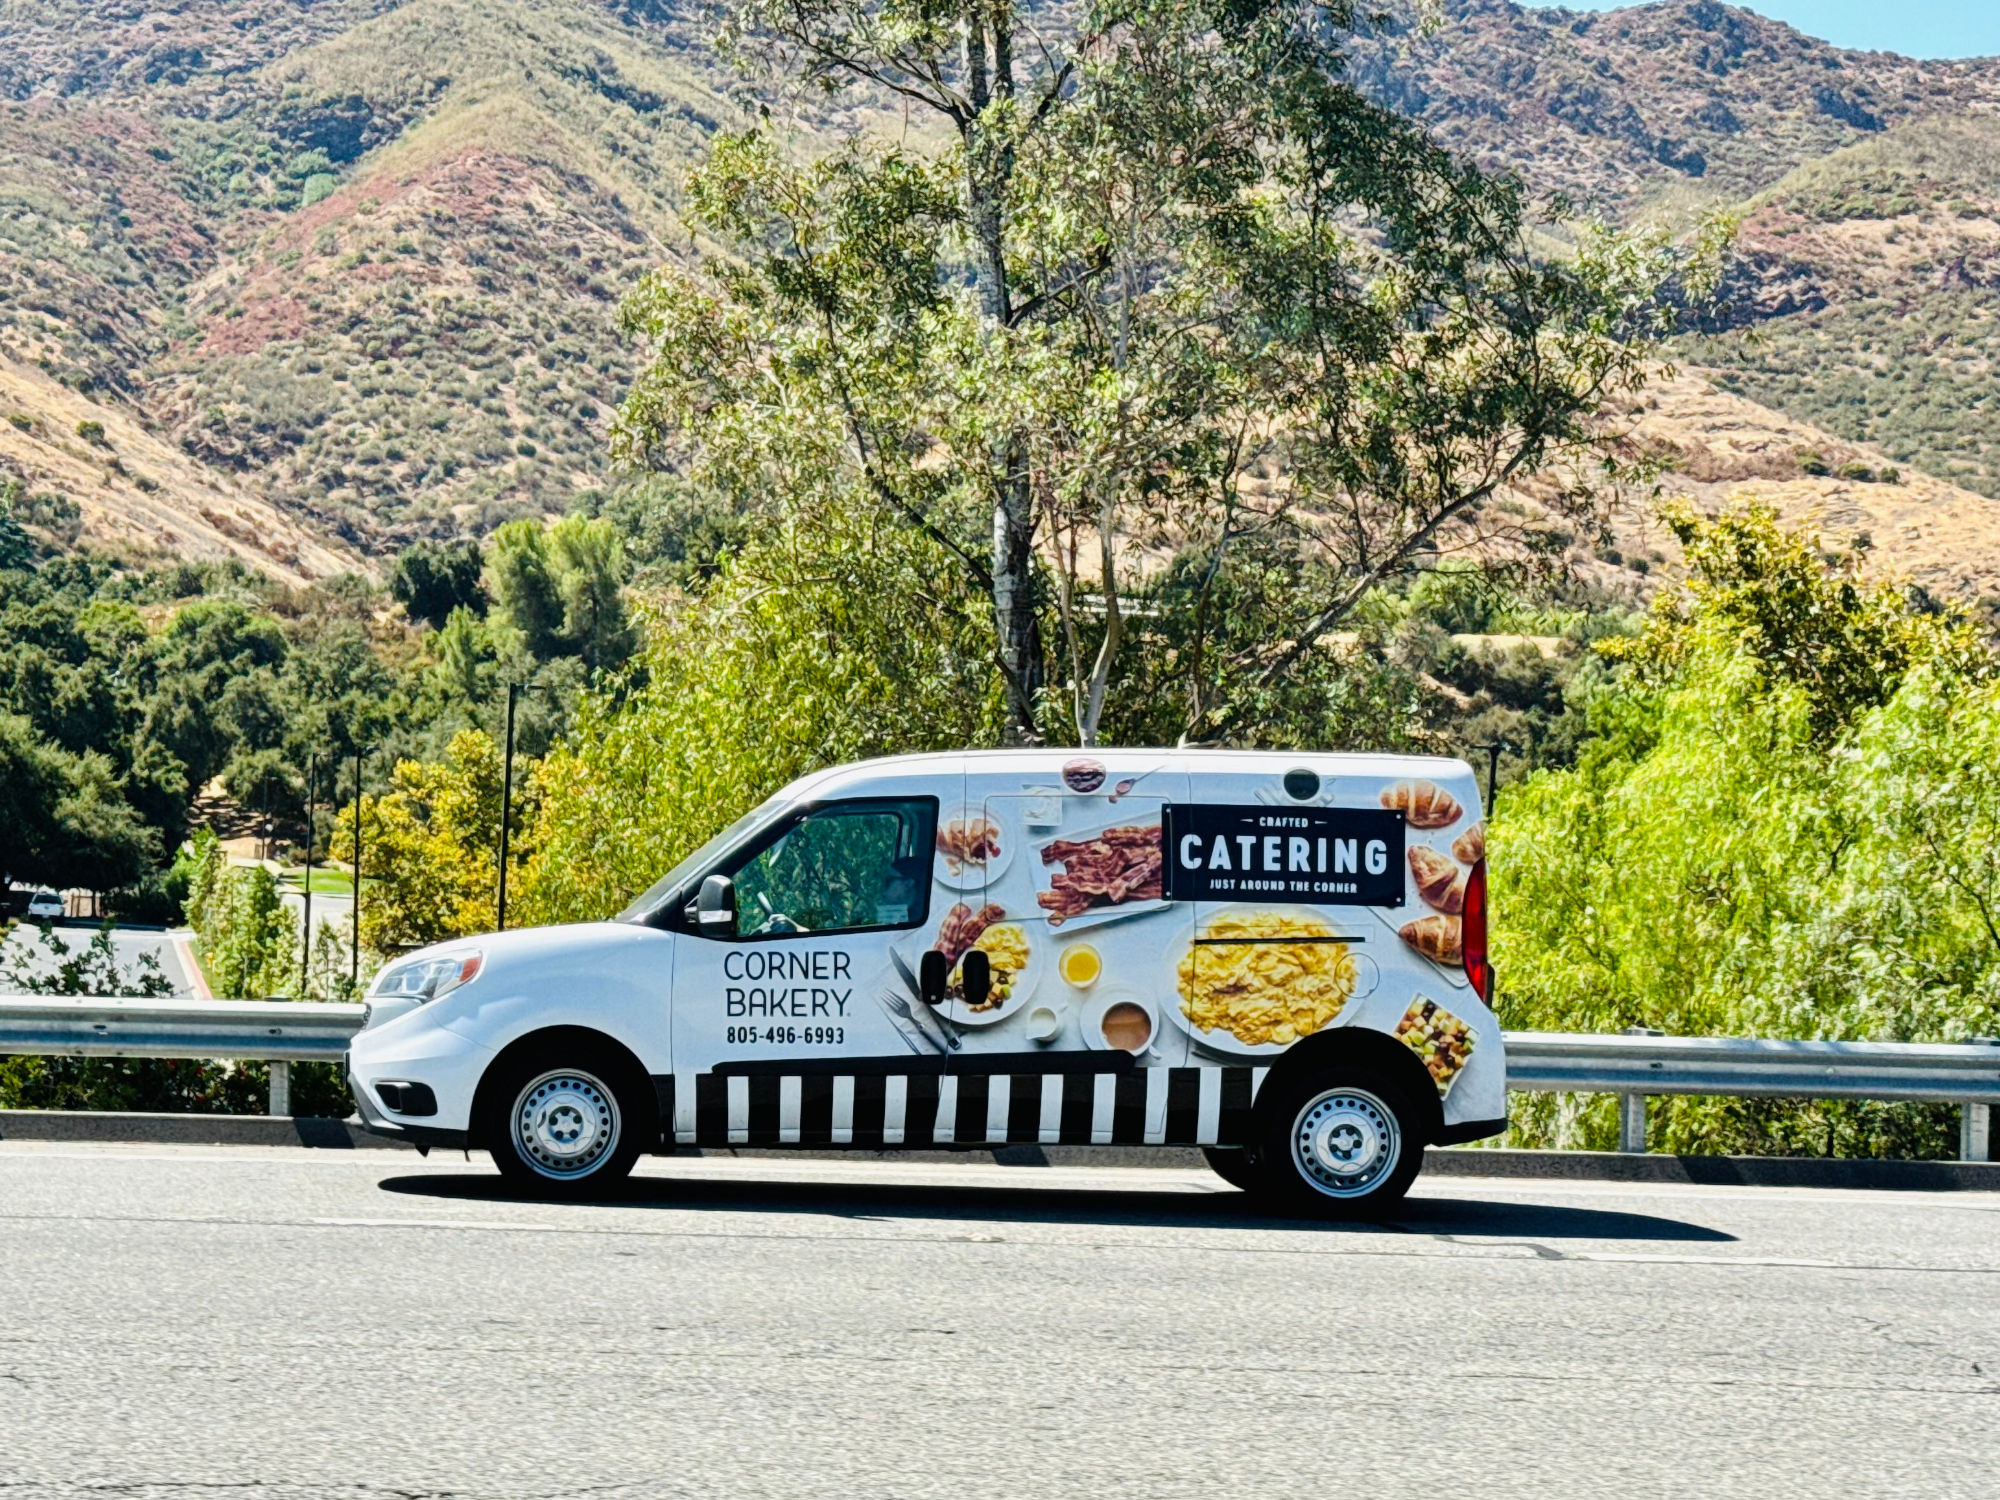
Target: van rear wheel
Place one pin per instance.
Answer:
(1339, 1143)
(572, 1129)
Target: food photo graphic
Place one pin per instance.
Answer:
(1439, 875)
(1115, 915)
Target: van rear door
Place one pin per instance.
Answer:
(1281, 887)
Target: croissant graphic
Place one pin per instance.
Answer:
(1470, 845)
(1425, 803)
(1439, 939)
(1439, 880)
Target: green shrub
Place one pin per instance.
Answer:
(1785, 823)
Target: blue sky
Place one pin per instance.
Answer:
(1916, 28)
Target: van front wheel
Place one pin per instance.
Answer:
(1340, 1142)
(569, 1129)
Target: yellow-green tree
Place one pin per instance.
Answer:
(1785, 823)
(430, 846)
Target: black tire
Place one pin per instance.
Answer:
(568, 1125)
(1315, 1127)
(1235, 1165)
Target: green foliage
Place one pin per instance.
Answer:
(432, 579)
(851, 639)
(521, 580)
(249, 938)
(430, 846)
(1175, 290)
(1843, 642)
(1784, 823)
(91, 970)
(168, 1085)
(559, 589)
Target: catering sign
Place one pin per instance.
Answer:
(1327, 856)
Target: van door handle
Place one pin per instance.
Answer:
(932, 972)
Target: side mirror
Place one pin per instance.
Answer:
(932, 974)
(715, 906)
(976, 969)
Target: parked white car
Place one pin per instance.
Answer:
(1280, 958)
(45, 906)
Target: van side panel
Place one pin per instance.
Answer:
(1162, 927)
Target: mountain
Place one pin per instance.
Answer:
(1652, 105)
(1861, 326)
(356, 263)
(301, 280)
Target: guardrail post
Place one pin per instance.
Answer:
(1632, 1124)
(281, 1089)
(1975, 1121)
(1632, 1109)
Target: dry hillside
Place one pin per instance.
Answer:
(334, 275)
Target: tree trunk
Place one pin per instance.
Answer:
(1014, 615)
(989, 170)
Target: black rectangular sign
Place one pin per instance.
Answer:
(1328, 856)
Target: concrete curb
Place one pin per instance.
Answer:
(184, 1130)
(1719, 1171)
(1579, 1166)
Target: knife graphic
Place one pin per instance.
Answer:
(927, 1019)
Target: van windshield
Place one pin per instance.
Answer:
(646, 905)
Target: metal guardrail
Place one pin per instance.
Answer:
(1638, 1065)
(280, 1032)
(1634, 1066)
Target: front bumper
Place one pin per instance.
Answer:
(413, 1049)
(423, 1137)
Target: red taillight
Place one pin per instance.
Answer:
(1477, 967)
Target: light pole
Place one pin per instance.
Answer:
(354, 977)
(506, 801)
(306, 947)
(1493, 769)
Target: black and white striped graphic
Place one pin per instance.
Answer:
(1137, 1107)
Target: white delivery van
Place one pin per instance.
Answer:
(1277, 957)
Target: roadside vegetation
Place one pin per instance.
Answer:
(1162, 390)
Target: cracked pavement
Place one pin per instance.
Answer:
(283, 1323)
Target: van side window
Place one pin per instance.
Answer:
(841, 868)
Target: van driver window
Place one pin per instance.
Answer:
(838, 869)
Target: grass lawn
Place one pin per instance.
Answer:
(325, 882)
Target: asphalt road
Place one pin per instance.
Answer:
(284, 1323)
(25, 943)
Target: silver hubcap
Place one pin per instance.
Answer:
(565, 1124)
(1345, 1142)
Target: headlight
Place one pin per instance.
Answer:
(425, 978)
